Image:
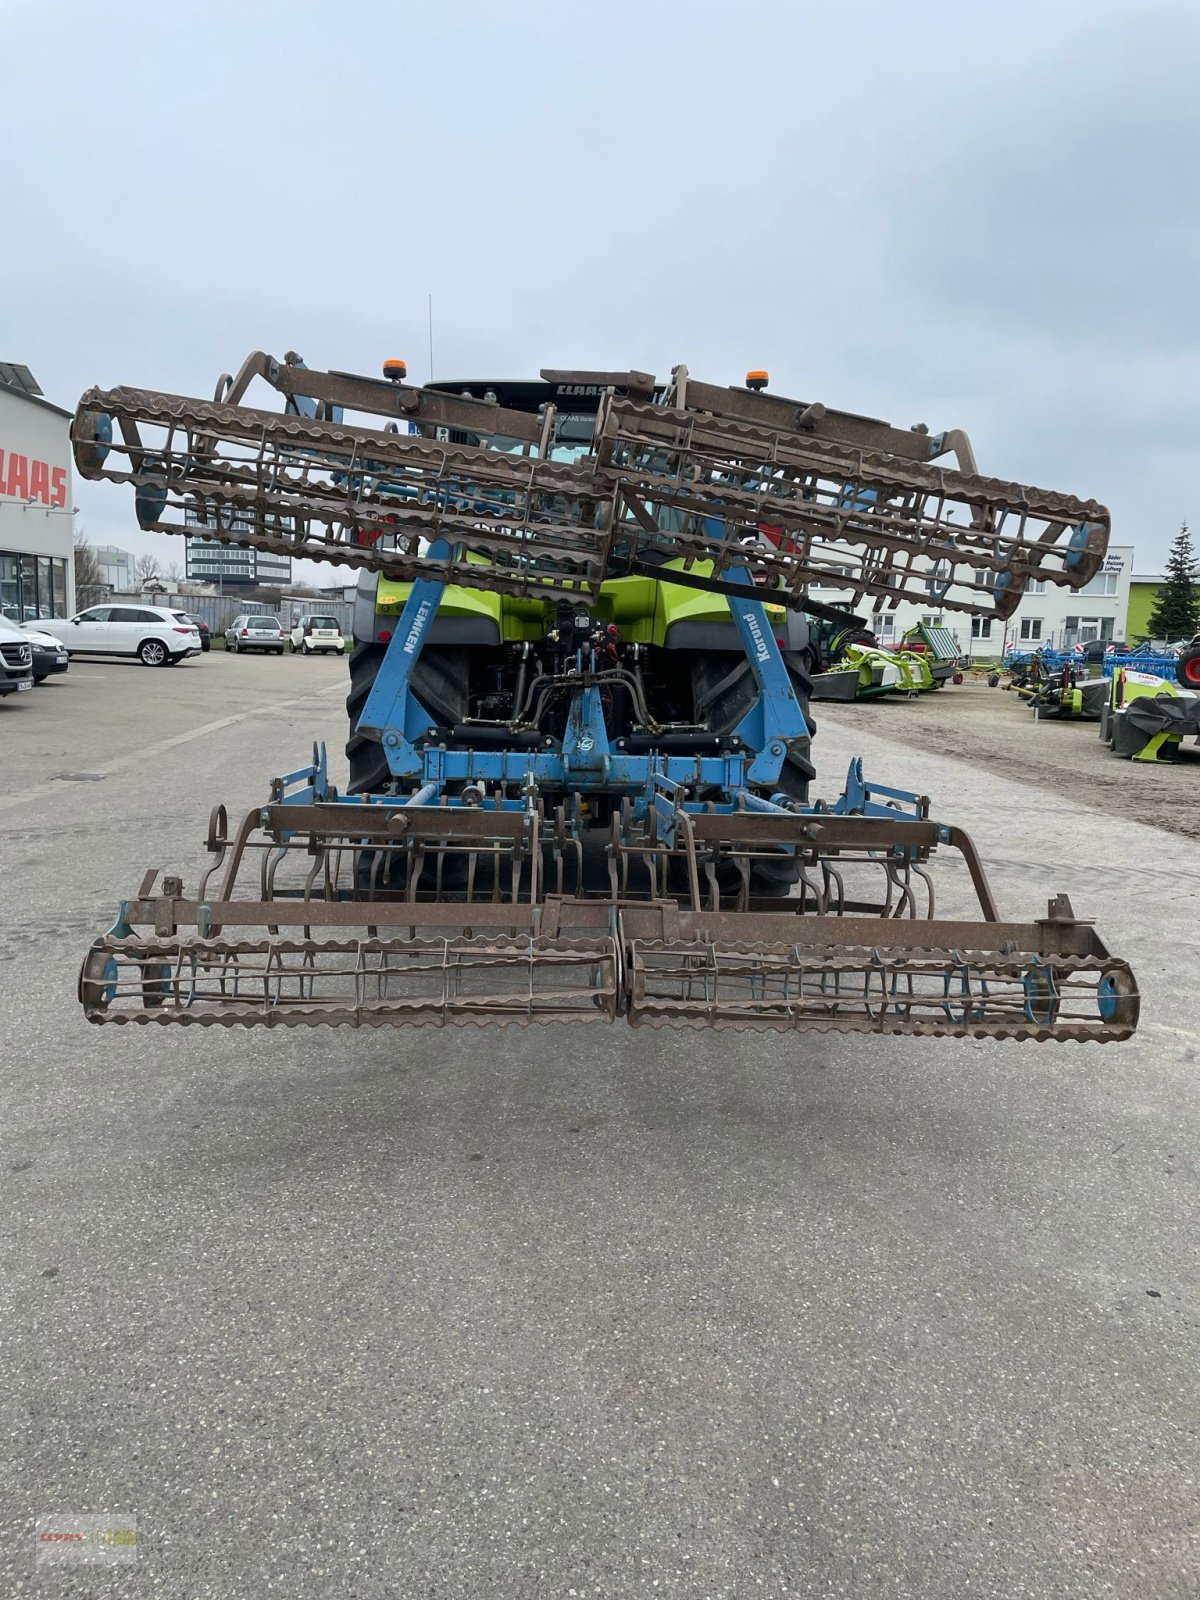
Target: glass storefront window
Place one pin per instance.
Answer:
(10, 592)
(32, 587)
(29, 589)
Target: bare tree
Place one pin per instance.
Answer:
(146, 569)
(90, 586)
(173, 573)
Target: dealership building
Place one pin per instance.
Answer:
(37, 508)
(117, 567)
(1048, 616)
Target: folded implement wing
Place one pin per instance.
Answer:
(708, 475)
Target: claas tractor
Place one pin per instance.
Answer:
(580, 743)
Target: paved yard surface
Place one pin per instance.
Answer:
(995, 728)
(581, 1311)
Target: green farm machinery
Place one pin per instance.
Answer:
(579, 742)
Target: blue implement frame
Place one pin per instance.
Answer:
(585, 761)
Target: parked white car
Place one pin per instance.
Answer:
(317, 632)
(49, 653)
(155, 636)
(253, 632)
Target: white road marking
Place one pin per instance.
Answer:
(1176, 1033)
(44, 791)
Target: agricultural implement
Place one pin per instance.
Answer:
(580, 738)
(1146, 718)
(881, 672)
(864, 672)
(938, 648)
(854, 667)
(1059, 692)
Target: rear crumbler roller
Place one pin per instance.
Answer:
(480, 930)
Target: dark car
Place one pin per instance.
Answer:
(205, 631)
(1097, 649)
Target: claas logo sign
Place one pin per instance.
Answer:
(27, 478)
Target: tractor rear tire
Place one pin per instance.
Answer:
(767, 878)
(439, 682)
(368, 766)
(731, 704)
(1187, 668)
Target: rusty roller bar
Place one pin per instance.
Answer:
(312, 489)
(350, 982)
(860, 519)
(278, 940)
(912, 990)
(822, 983)
(661, 483)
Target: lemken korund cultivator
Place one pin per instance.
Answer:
(580, 740)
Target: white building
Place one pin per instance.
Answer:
(117, 567)
(37, 508)
(1049, 616)
(210, 561)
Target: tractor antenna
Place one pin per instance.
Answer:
(431, 338)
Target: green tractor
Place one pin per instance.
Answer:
(579, 733)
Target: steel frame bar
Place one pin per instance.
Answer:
(661, 482)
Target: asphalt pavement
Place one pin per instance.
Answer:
(580, 1311)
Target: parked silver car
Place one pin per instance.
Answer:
(252, 632)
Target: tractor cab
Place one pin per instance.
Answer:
(569, 400)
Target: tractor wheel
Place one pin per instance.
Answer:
(440, 684)
(1187, 668)
(368, 767)
(839, 643)
(439, 681)
(723, 694)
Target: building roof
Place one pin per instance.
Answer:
(17, 380)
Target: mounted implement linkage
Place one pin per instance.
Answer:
(580, 740)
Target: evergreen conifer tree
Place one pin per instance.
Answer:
(1176, 613)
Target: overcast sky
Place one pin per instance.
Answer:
(976, 216)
